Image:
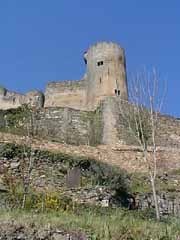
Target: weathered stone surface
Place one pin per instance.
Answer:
(168, 205)
(106, 73)
(9, 100)
(14, 165)
(66, 94)
(69, 126)
(73, 178)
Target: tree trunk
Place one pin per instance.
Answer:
(155, 197)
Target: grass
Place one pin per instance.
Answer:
(104, 224)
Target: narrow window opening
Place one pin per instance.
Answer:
(100, 63)
(100, 80)
(85, 60)
(120, 58)
(117, 92)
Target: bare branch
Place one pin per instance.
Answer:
(142, 118)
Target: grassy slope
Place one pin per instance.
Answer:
(106, 225)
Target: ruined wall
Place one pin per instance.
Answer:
(65, 94)
(10, 99)
(35, 99)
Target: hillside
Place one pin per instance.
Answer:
(66, 212)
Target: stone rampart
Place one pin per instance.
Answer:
(10, 99)
(65, 125)
(66, 94)
(105, 125)
(116, 127)
(69, 126)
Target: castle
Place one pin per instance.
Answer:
(105, 76)
(85, 111)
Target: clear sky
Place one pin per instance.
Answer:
(43, 40)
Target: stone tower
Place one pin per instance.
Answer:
(106, 73)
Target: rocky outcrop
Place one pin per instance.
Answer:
(168, 204)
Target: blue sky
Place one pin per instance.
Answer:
(44, 40)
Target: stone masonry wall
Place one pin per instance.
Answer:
(10, 99)
(105, 125)
(106, 72)
(66, 94)
(69, 126)
(169, 131)
(168, 134)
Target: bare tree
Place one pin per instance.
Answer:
(27, 160)
(141, 115)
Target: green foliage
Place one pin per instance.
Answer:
(139, 183)
(41, 201)
(53, 207)
(10, 151)
(15, 120)
(93, 173)
(52, 201)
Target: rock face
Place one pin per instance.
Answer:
(168, 205)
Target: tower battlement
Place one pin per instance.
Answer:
(104, 49)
